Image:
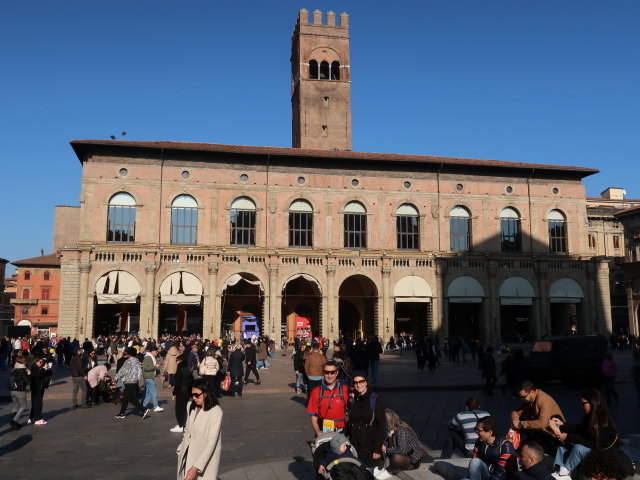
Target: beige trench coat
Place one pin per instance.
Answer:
(170, 363)
(202, 442)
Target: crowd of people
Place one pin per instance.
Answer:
(352, 426)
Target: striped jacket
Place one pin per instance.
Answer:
(500, 458)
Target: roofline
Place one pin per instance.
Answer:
(52, 260)
(628, 211)
(81, 148)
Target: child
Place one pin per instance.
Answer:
(338, 449)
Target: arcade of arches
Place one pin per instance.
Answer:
(303, 307)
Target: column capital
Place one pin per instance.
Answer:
(386, 272)
(213, 268)
(150, 268)
(273, 270)
(85, 267)
(331, 271)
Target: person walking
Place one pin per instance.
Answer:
(183, 381)
(201, 446)
(609, 372)
(209, 371)
(18, 381)
(250, 353)
(131, 375)
(149, 371)
(170, 364)
(79, 379)
(234, 367)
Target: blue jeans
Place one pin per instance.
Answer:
(478, 470)
(299, 380)
(570, 457)
(262, 363)
(151, 392)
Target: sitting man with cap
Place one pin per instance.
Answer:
(328, 402)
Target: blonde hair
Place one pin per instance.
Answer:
(394, 421)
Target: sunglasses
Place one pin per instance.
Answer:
(359, 382)
(330, 372)
(196, 395)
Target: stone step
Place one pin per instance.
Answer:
(453, 469)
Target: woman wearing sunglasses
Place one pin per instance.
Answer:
(199, 451)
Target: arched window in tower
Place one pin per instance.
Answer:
(184, 220)
(300, 224)
(510, 233)
(46, 276)
(243, 222)
(460, 229)
(557, 232)
(407, 227)
(313, 69)
(335, 71)
(121, 221)
(355, 226)
(324, 70)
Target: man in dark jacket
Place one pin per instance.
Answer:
(533, 464)
(250, 353)
(494, 457)
(235, 370)
(79, 379)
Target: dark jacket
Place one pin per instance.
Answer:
(580, 433)
(234, 366)
(500, 458)
(539, 471)
(38, 378)
(366, 436)
(18, 380)
(182, 380)
(250, 354)
(76, 366)
(298, 361)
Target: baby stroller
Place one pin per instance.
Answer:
(109, 391)
(341, 469)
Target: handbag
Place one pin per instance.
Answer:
(226, 383)
(514, 437)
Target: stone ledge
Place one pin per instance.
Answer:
(453, 468)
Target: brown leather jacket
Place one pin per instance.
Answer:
(537, 414)
(313, 364)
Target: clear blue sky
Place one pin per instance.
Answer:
(545, 81)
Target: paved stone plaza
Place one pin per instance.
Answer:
(264, 433)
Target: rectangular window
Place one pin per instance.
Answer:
(243, 228)
(460, 234)
(184, 225)
(355, 230)
(45, 310)
(510, 240)
(592, 241)
(44, 293)
(300, 229)
(407, 231)
(557, 236)
(121, 224)
(25, 310)
(616, 241)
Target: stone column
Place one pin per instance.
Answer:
(492, 328)
(331, 325)
(212, 323)
(436, 306)
(273, 323)
(85, 325)
(603, 298)
(587, 324)
(632, 310)
(148, 322)
(543, 321)
(387, 321)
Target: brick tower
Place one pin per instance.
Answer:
(321, 83)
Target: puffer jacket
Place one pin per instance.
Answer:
(209, 366)
(130, 372)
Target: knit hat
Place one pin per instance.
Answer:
(131, 352)
(336, 442)
(360, 373)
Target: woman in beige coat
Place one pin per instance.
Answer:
(199, 451)
(170, 364)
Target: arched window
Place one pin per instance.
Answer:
(355, 225)
(460, 229)
(324, 70)
(243, 222)
(335, 70)
(510, 234)
(407, 227)
(557, 232)
(121, 221)
(184, 220)
(47, 276)
(26, 293)
(27, 275)
(300, 224)
(592, 242)
(313, 69)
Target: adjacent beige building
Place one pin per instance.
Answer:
(193, 237)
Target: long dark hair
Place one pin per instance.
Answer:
(598, 416)
(210, 400)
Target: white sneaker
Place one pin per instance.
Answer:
(176, 429)
(381, 474)
(158, 409)
(41, 422)
(557, 476)
(146, 412)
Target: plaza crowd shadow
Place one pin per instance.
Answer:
(16, 444)
(301, 468)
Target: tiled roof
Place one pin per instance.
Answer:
(50, 260)
(82, 146)
(629, 211)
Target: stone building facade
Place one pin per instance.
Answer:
(630, 265)
(195, 237)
